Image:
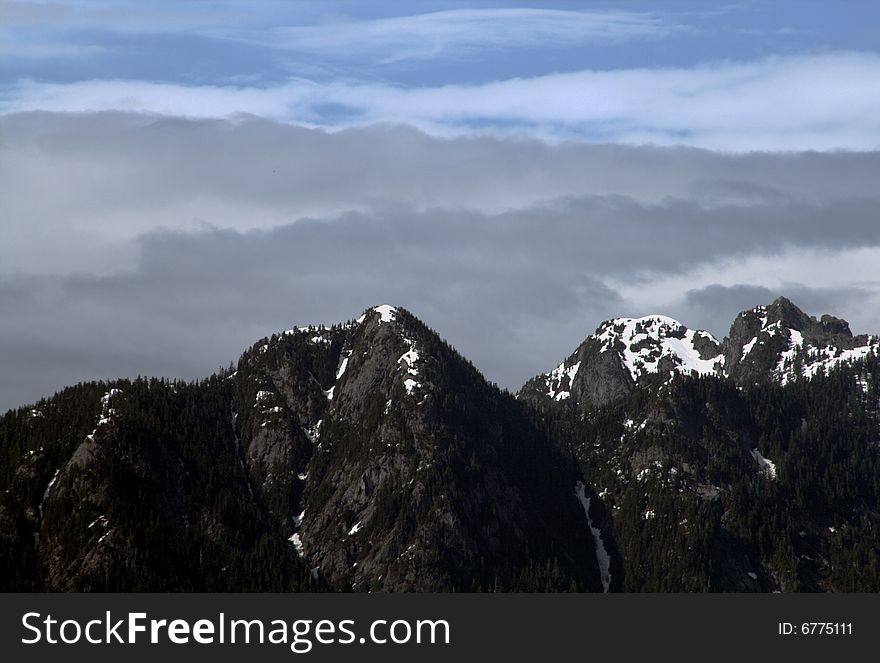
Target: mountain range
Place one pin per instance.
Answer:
(372, 456)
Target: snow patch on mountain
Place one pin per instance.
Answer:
(386, 313)
(100, 520)
(297, 544)
(805, 358)
(766, 465)
(648, 341)
(560, 379)
(107, 412)
(409, 360)
(343, 364)
(48, 491)
(262, 404)
(818, 360)
(602, 556)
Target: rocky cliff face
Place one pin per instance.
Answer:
(414, 474)
(780, 343)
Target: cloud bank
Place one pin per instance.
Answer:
(159, 245)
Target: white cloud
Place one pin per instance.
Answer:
(453, 32)
(391, 39)
(808, 102)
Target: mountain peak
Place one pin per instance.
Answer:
(780, 342)
(658, 343)
(350, 440)
(386, 313)
(784, 311)
(624, 351)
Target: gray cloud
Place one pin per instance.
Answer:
(97, 181)
(145, 245)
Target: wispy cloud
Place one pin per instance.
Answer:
(388, 39)
(820, 102)
(456, 32)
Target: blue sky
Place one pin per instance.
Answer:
(178, 179)
(430, 43)
(604, 72)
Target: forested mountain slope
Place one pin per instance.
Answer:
(371, 456)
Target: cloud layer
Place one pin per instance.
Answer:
(158, 245)
(822, 101)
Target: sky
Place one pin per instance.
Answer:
(179, 179)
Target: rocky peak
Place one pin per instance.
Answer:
(621, 353)
(386, 353)
(784, 312)
(375, 420)
(780, 342)
(834, 326)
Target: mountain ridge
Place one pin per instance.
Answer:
(776, 342)
(371, 456)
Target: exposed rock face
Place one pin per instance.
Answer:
(411, 483)
(588, 376)
(780, 343)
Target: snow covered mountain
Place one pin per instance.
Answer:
(623, 352)
(778, 343)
